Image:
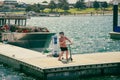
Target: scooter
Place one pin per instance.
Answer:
(70, 59)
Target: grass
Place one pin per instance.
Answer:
(78, 11)
(75, 11)
(21, 12)
(88, 10)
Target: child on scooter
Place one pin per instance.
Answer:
(63, 45)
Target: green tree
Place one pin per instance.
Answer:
(65, 7)
(62, 3)
(52, 5)
(44, 2)
(42, 8)
(80, 4)
(36, 8)
(29, 8)
(96, 5)
(59, 5)
(104, 5)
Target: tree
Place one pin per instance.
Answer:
(52, 5)
(96, 5)
(59, 5)
(62, 3)
(44, 2)
(29, 8)
(104, 5)
(65, 7)
(34, 7)
(80, 4)
(42, 8)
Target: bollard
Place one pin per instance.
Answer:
(115, 16)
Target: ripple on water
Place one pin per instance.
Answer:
(89, 35)
(9, 74)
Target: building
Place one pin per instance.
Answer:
(112, 1)
(89, 3)
(1, 3)
(9, 5)
(10, 2)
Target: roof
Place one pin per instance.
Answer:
(10, 0)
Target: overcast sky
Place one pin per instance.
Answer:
(36, 1)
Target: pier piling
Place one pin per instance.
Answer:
(18, 20)
(115, 16)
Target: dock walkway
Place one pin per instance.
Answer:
(48, 67)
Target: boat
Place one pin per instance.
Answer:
(36, 38)
(33, 14)
(49, 15)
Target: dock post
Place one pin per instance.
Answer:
(8, 21)
(18, 22)
(25, 22)
(115, 15)
(15, 21)
(22, 22)
(5, 21)
(102, 71)
(0, 23)
(45, 76)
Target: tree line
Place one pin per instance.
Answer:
(64, 5)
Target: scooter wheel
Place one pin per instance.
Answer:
(71, 59)
(62, 58)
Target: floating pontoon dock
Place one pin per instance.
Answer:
(49, 68)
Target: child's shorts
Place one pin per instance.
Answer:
(64, 48)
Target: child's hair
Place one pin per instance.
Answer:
(61, 33)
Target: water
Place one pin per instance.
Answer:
(9, 74)
(88, 33)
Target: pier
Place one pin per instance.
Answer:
(49, 68)
(9, 19)
(116, 29)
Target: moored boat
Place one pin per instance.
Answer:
(36, 38)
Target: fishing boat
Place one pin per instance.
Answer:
(18, 34)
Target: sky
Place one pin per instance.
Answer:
(36, 1)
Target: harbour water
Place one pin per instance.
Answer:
(88, 33)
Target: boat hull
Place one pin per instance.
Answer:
(33, 40)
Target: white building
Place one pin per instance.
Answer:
(112, 1)
(89, 3)
(10, 2)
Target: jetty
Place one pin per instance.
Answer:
(116, 28)
(49, 68)
(9, 19)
